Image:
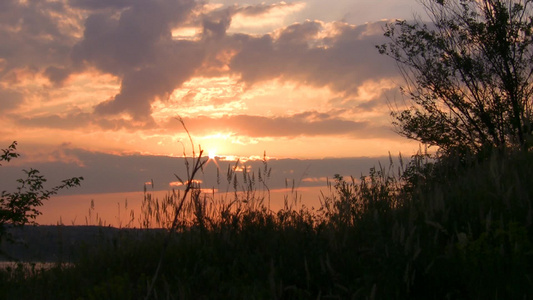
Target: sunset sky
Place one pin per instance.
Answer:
(93, 88)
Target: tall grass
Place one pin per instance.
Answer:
(427, 228)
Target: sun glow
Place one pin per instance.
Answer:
(212, 154)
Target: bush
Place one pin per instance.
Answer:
(20, 207)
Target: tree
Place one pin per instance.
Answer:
(20, 207)
(469, 74)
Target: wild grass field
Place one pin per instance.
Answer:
(425, 228)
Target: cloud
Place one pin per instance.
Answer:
(341, 60)
(259, 10)
(136, 44)
(10, 99)
(57, 75)
(302, 124)
(262, 18)
(101, 4)
(138, 47)
(108, 173)
(309, 123)
(35, 35)
(71, 121)
(79, 120)
(133, 41)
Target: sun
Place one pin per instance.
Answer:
(212, 154)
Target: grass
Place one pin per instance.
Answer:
(429, 228)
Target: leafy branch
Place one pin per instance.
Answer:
(20, 207)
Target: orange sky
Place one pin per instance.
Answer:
(297, 79)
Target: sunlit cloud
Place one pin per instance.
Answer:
(315, 179)
(206, 96)
(187, 33)
(184, 183)
(309, 123)
(263, 18)
(244, 140)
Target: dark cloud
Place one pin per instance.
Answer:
(138, 47)
(32, 36)
(216, 23)
(341, 62)
(32, 40)
(141, 87)
(298, 35)
(131, 41)
(57, 75)
(10, 99)
(72, 121)
(378, 102)
(80, 120)
(108, 173)
(101, 4)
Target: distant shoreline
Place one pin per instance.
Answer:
(55, 243)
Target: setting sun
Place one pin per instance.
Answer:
(212, 153)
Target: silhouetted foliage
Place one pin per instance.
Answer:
(20, 207)
(468, 74)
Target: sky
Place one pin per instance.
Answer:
(95, 88)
